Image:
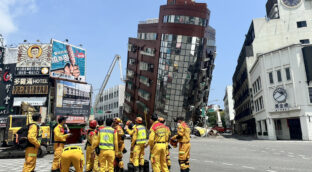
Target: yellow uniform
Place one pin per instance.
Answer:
(121, 146)
(32, 151)
(158, 139)
(59, 142)
(90, 152)
(138, 143)
(108, 144)
(131, 132)
(183, 137)
(167, 150)
(72, 155)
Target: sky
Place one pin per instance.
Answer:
(104, 26)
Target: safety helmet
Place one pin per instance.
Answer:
(139, 120)
(161, 120)
(174, 143)
(92, 124)
(117, 120)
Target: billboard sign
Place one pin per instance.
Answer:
(74, 119)
(68, 60)
(31, 85)
(34, 55)
(72, 98)
(32, 71)
(6, 86)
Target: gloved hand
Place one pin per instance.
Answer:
(169, 147)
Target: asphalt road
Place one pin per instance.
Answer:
(220, 155)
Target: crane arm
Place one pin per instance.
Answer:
(110, 70)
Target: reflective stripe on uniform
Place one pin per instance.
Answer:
(107, 131)
(106, 144)
(181, 152)
(32, 155)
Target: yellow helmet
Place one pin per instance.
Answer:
(161, 120)
(117, 120)
(139, 120)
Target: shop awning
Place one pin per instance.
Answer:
(33, 101)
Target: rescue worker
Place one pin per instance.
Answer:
(61, 133)
(130, 127)
(108, 144)
(138, 142)
(162, 120)
(183, 137)
(90, 147)
(158, 139)
(34, 141)
(121, 145)
(72, 155)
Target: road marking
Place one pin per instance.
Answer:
(291, 156)
(209, 161)
(249, 167)
(193, 159)
(290, 153)
(227, 164)
(271, 171)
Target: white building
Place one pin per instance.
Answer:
(288, 22)
(229, 107)
(111, 103)
(282, 103)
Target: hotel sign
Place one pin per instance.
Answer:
(30, 90)
(30, 85)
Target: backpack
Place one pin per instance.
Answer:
(21, 140)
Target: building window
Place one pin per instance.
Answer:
(259, 128)
(271, 78)
(132, 61)
(144, 80)
(148, 52)
(143, 66)
(305, 41)
(265, 126)
(278, 124)
(147, 36)
(185, 20)
(301, 24)
(279, 76)
(145, 95)
(287, 70)
(310, 94)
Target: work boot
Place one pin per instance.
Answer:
(121, 170)
(187, 170)
(136, 169)
(141, 169)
